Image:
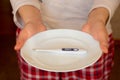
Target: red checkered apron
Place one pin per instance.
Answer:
(98, 71)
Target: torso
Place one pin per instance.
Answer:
(65, 13)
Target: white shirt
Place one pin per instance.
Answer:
(71, 14)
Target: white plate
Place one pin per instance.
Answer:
(56, 60)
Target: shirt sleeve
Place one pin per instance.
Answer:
(16, 4)
(110, 5)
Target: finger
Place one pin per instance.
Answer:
(86, 28)
(17, 46)
(104, 48)
(104, 45)
(19, 43)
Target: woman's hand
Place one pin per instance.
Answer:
(29, 30)
(31, 17)
(98, 31)
(96, 26)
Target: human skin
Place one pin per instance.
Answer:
(95, 25)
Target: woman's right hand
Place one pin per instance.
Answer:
(29, 30)
(31, 17)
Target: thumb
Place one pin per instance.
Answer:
(86, 28)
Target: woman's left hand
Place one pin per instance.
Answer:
(96, 26)
(98, 31)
